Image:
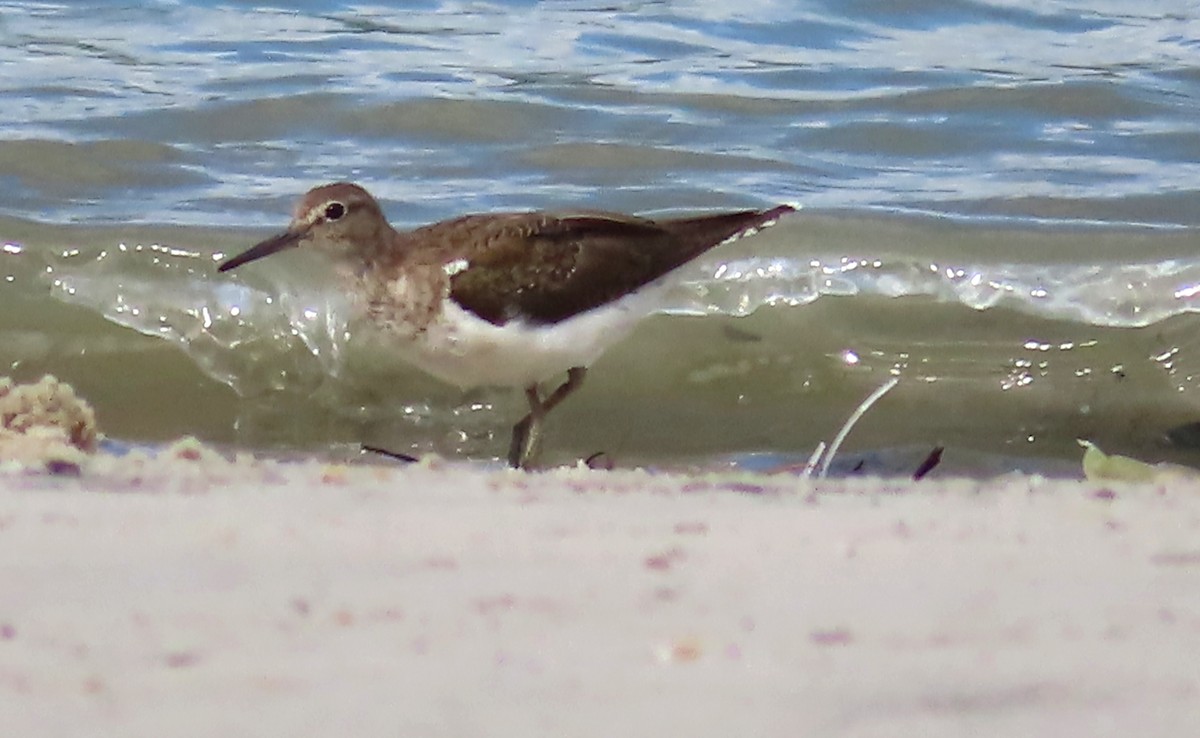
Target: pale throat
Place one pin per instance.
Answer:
(402, 301)
(362, 251)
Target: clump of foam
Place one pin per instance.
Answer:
(45, 425)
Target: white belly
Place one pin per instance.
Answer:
(462, 349)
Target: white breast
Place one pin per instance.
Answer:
(460, 348)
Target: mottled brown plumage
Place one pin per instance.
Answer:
(504, 298)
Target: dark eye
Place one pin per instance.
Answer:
(334, 210)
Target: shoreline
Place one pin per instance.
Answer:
(188, 593)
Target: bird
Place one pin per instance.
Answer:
(510, 299)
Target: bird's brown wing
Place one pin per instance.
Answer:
(544, 268)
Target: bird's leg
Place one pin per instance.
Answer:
(575, 377)
(518, 448)
(527, 433)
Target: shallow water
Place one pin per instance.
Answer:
(1001, 206)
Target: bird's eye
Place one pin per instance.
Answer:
(334, 210)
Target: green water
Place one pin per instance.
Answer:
(688, 388)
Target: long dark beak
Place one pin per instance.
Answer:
(285, 240)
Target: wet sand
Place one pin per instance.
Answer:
(191, 595)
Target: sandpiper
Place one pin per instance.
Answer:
(503, 299)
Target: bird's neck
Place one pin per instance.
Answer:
(381, 247)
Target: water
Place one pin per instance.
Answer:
(1001, 205)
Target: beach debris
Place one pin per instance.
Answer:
(929, 464)
(190, 448)
(680, 650)
(395, 455)
(665, 560)
(45, 426)
(601, 461)
(1101, 467)
(832, 637)
(818, 464)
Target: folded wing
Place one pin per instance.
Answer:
(544, 268)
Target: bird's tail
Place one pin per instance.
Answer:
(704, 232)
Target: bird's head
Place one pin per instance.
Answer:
(341, 219)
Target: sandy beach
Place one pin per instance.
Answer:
(189, 594)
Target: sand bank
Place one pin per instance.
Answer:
(190, 595)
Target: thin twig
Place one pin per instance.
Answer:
(405, 458)
(854, 418)
(813, 460)
(929, 464)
